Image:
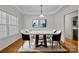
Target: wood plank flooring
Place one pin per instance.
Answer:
(71, 45)
(13, 48)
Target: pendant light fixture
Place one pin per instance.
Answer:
(41, 15)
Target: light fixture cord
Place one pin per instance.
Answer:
(41, 9)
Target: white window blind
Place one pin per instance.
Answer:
(13, 25)
(8, 24)
(3, 32)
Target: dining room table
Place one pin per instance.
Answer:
(40, 32)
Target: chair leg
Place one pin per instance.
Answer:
(59, 44)
(52, 44)
(29, 45)
(22, 44)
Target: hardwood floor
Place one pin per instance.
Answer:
(71, 45)
(13, 48)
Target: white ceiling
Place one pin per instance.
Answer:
(35, 9)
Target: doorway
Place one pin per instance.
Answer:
(71, 31)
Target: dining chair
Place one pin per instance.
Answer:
(49, 39)
(26, 38)
(56, 37)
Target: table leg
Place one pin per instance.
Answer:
(45, 41)
(36, 41)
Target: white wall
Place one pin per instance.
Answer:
(68, 26)
(9, 40)
(28, 22)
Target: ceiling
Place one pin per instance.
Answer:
(36, 9)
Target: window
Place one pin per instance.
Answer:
(3, 32)
(8, 24)
(13, 25)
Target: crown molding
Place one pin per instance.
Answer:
(33, 13)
